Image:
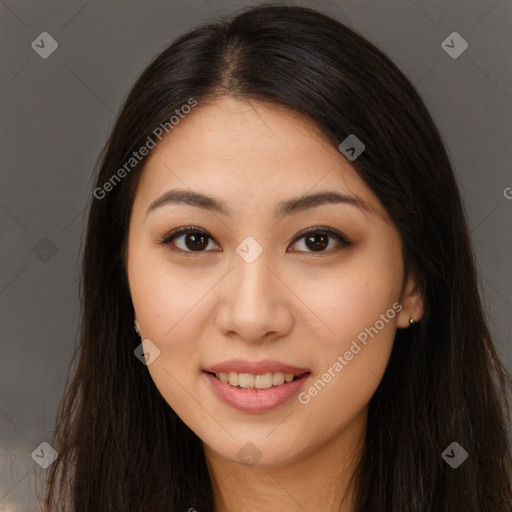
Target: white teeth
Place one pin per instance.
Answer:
(263, 381)
(233, 378)
(249, 380)
(277, 378)
(246, 380)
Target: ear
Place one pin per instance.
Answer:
(412, 302)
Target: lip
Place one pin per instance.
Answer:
(256, 400)
(256, 367)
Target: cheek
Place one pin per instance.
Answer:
(352, 298)
(355, 314)
(170, 312)
(352, 359)
(358, 307)
(164, 297)
(169, 308)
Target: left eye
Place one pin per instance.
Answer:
(317, 239)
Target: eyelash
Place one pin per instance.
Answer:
(342, 240)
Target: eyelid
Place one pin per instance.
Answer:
(183, 229)
(322, 229)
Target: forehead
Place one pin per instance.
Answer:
(249, 152)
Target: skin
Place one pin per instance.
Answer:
(300, 307)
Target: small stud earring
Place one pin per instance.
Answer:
(135, 326)
(411, 321)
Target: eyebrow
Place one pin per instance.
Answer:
(283, 208)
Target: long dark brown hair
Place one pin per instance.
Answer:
(121, 446)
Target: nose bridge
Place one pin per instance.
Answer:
(253, 303)
(252, 276)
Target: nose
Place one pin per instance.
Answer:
(256, 302)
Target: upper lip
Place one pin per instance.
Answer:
(256, 367)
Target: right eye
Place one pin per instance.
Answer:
(192, 238)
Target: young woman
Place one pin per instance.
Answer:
(276, 216)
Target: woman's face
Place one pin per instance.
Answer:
(253, 289)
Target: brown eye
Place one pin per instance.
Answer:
(188, 239)
(317, 239)
(195, 241)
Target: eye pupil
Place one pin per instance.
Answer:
(198, 240)
(313, 239)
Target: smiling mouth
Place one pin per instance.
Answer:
(257, 382)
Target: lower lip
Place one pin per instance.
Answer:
(256, 400)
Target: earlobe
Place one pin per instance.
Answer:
(412, 305)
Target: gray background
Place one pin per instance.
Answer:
(56, 114)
